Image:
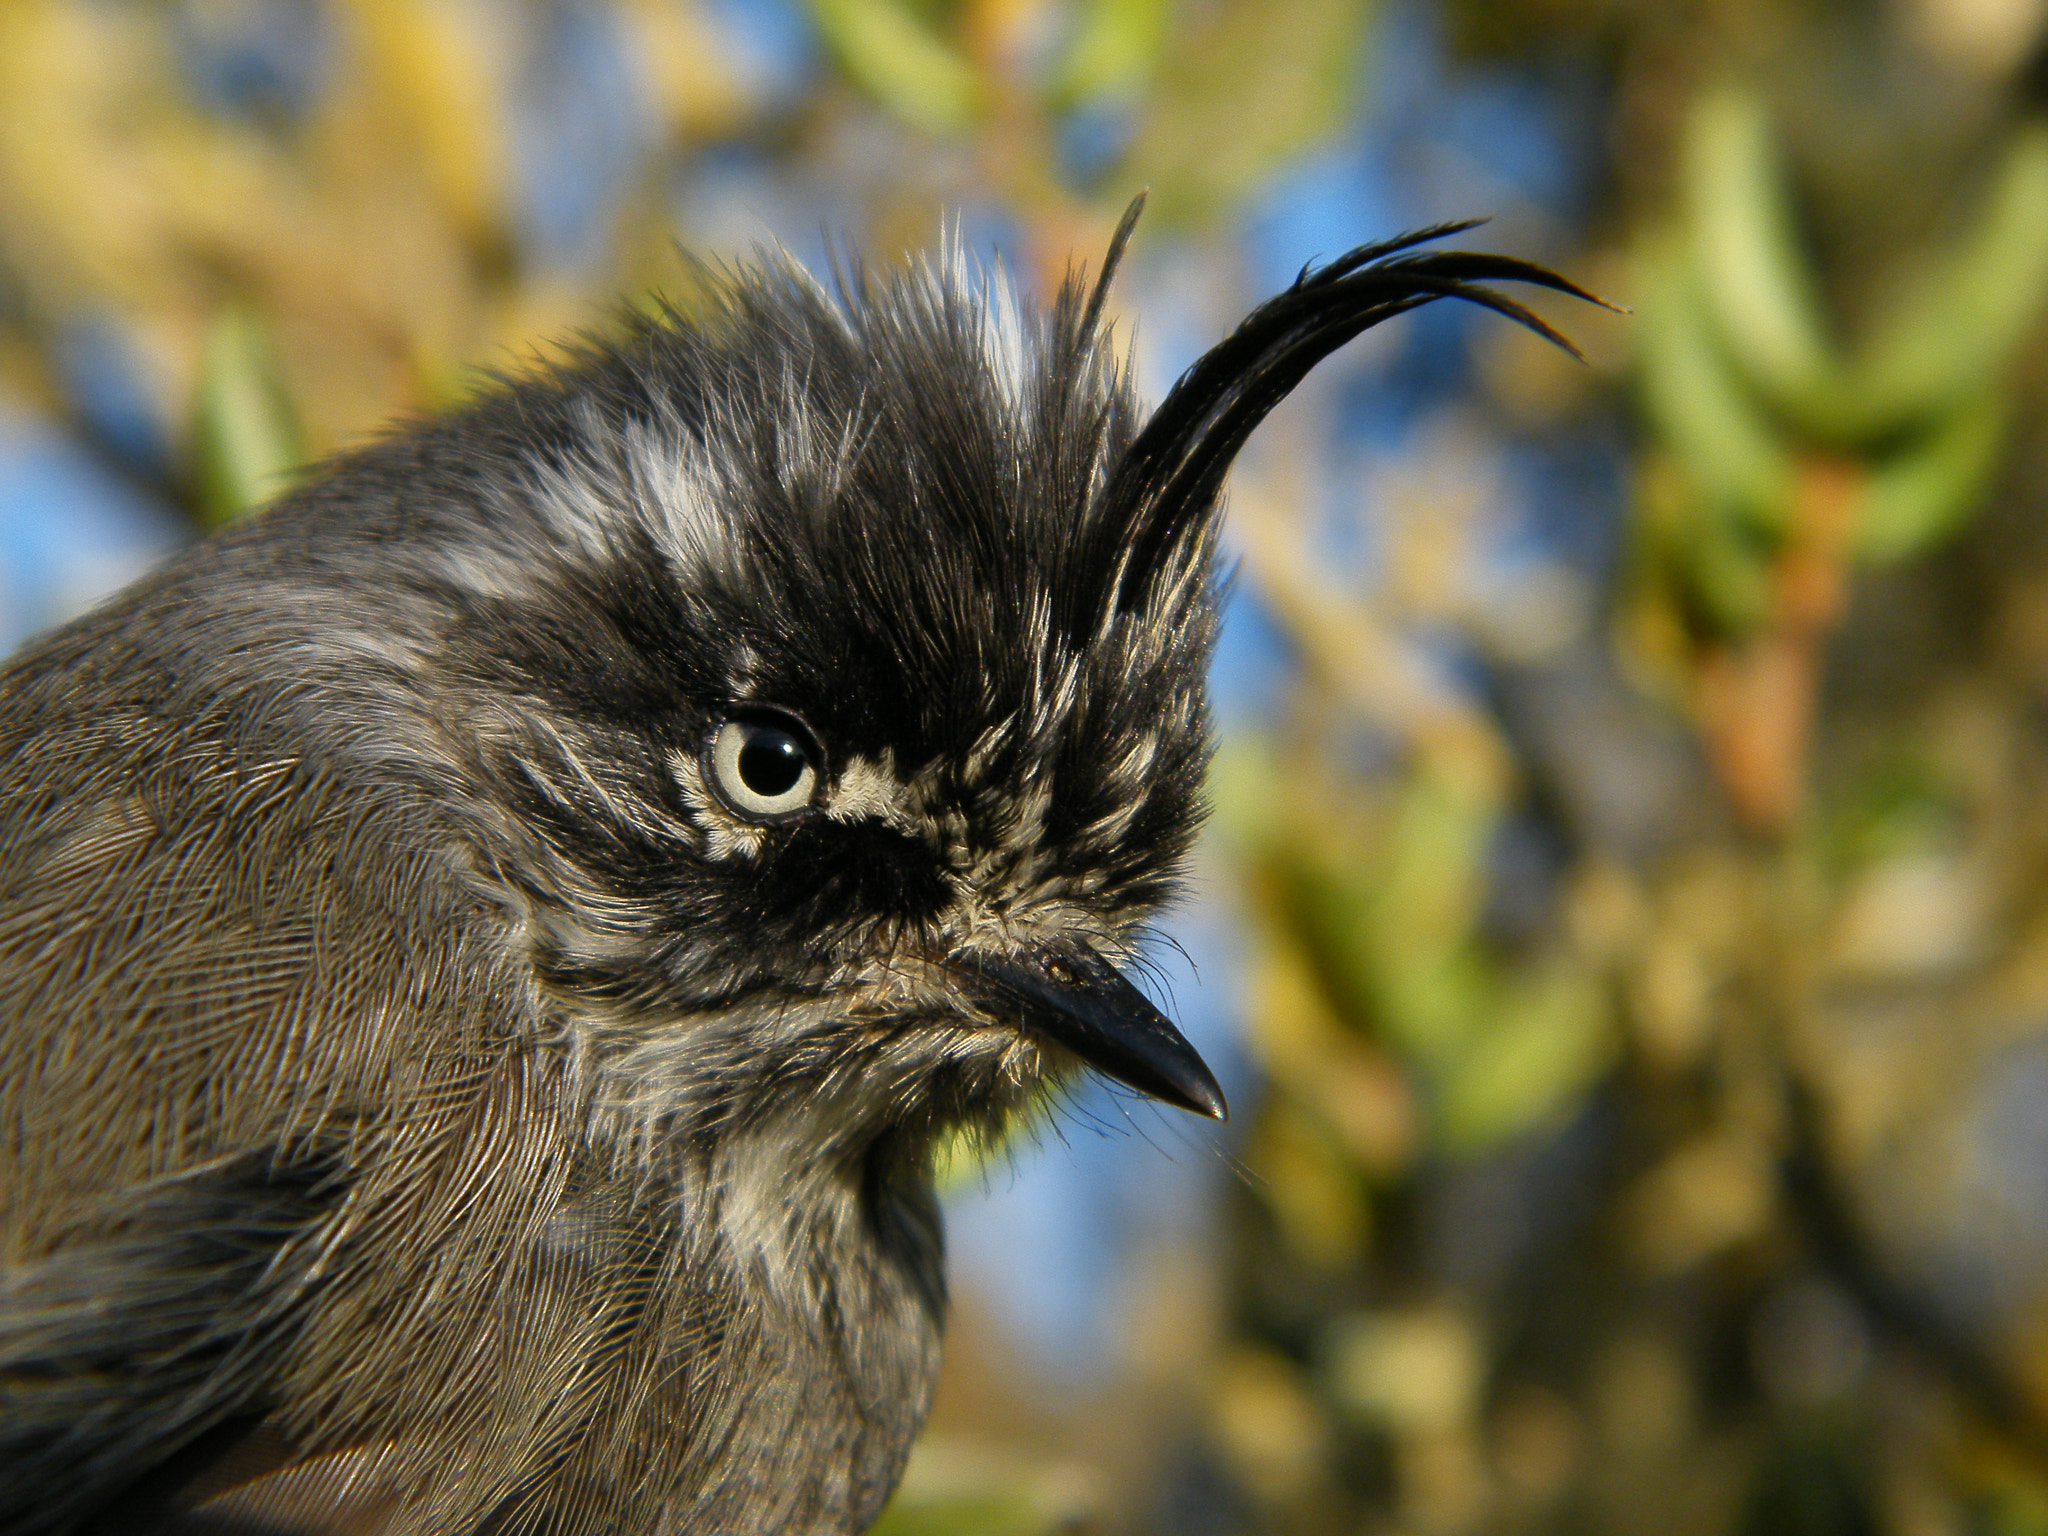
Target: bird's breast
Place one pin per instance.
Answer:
(831, 1287)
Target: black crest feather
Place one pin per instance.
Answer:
(1168, 479)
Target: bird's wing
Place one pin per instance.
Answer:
(215, 1026)
(122, 1353)
(279, 1148)
(342, 1493)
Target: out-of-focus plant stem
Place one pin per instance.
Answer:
(1355, 652)
(1756, 693)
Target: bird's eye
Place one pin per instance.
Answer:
(764, 765)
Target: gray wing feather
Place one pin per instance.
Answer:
(251, 1024)
(119, 1351)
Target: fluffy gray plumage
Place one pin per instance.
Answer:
(487, 946)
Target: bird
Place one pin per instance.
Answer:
(490, 943)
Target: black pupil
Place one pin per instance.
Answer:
(771, 762)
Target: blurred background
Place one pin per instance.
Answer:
(1624, 932)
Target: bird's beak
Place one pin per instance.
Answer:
(1081, 1001)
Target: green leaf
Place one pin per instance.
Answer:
(995, 1513)
(1431, 880)
(1926, 491)
(1247, 806)
(900, 62)
(1391, 930)
(1955, 335)
(1698, 405)
(1726, 568)
(1550, 1039)
(1114, 50)
(954, 1488)
(247, 436)
(1750, 262)
(1945, 341)
(1428, 980)
(1427, 1005)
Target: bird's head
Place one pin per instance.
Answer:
(842, 658)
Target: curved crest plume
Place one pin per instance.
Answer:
(1166, 483)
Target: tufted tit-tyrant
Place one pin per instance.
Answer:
(489, 944)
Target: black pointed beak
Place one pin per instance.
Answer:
(1082, 1002)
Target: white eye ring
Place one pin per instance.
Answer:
(763, 765)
